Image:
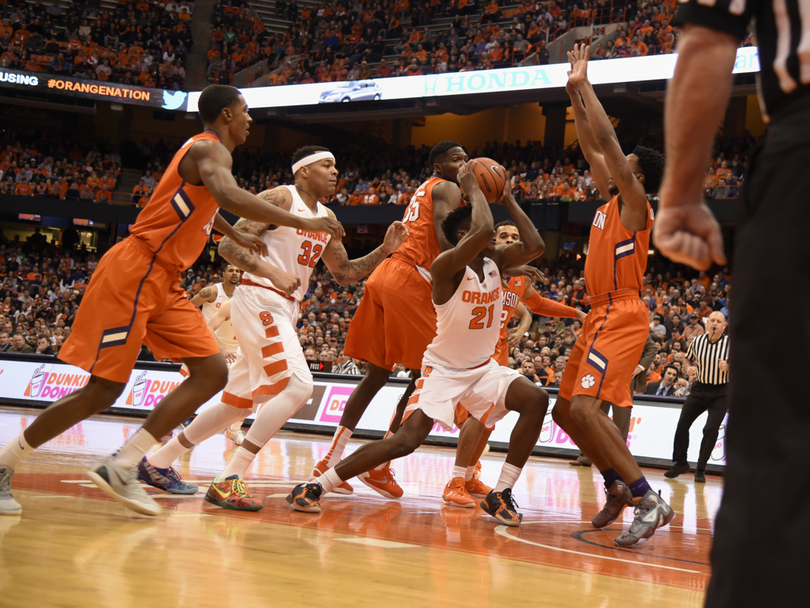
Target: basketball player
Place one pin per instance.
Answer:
(270, 365)
(211, 298)
(458, 365)
(135, 298)
(472, 440)
(389, 329)
(614, 334)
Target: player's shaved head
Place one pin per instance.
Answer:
(305, 151)
(214, 99)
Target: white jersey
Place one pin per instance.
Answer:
(468, 325)
(225, 334)
(293, 250)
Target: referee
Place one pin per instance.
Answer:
(762, 532)
(710, 353)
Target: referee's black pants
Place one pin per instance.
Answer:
(702, 398)
(762, 533)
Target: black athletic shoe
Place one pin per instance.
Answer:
(502, 507)
(306, 497)
(677, 469)
(700, 476)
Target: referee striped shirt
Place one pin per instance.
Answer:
(706, 355)
(783, 35)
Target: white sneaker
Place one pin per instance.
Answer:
(8, 506)
(237, 436)
(122, 484)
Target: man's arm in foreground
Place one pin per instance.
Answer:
(686, 230)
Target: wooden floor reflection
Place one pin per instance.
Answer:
(73, 546)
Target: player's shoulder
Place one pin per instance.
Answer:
(279, 196)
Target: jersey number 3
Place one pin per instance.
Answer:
(310, 254)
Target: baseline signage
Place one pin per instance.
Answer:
(652, 426)
(506, 80)
(92, 89)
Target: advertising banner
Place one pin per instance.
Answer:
(92, 89)
(652, 426)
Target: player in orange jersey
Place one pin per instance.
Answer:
(388, 328)
(457, 365)
(135, 298)
(613, 336)
(472, 440)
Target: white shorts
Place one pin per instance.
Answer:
(269, 351)
(231, 348)
(482, 390)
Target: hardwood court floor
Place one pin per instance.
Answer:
(73, 546)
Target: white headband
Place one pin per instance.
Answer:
(312, 158)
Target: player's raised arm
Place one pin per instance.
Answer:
(619, 167)
(206, 295)
(452, 262)
(213, 163)
(529, 247)
(246, 260)
(346, 271)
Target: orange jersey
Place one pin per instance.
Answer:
(617, 257)
(513, 290)
(422, 245)
(179, 217)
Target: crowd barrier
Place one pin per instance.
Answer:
(37, 381)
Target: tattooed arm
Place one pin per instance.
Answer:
(207, 294)
(346, 271)
(247, 261)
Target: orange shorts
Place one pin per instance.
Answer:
(396, 319)
(133, 300)
(604, 357)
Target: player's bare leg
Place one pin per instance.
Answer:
(531, 403)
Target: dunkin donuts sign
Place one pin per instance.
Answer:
(48, 385)
(147, 393)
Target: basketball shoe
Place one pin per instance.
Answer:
(237, 436)
(167, 480)
(475, 487)
(233, 493)
(455, 493)
(306, 497)
(321, 468)
(8, 506)
(618, 497)
(651, 513)
(382, 482)
(502, 507)
(122, 484)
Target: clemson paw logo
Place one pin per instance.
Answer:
(588, 381)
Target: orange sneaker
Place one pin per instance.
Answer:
(233, 493)
(476, 487)
(321, 468)
(456, 494)
(382, 482)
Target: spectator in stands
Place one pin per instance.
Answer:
(5, 342)
(666, 387)
(19, 345)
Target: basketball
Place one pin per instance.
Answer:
(491, 176)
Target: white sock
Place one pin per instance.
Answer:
(278, 410)
(12, 453)
(508, 478)
(459, 472)
(339, 441)
(469, 473)
(329, 480)
(236, 426)
(239, 464)
(134, 449)
(165, 456)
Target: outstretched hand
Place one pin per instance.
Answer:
(394, 237)
(251, 242)
(327, 224)
(578, 58)
(689, 235)
(525, 271)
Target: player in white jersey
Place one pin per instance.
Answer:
(458, 365)
(212, 298)
(270, 365)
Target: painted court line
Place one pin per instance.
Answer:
(377, 542)
(502, 530)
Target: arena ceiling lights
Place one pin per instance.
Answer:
(508, 80)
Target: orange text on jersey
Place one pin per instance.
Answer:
(318, 236)
(475, 297)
